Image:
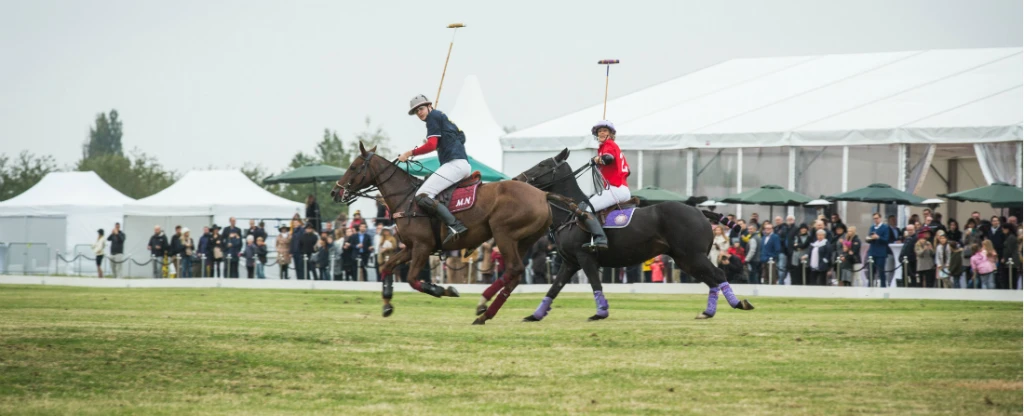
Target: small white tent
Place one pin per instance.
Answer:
(201, 198)
(473, 116)
(63, 210)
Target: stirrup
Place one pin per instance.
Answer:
(454, 234)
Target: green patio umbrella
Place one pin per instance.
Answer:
(308, 174)
(878, 193)
(428, 165)
(771, 195)
(651, 195)
(999, 194)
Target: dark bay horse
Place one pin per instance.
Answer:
(681, 231)
(515, 214)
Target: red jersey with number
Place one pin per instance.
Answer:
(616, 172)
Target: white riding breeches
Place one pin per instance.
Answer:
(447, 175)
(610, 196)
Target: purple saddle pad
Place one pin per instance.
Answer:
(619, 218)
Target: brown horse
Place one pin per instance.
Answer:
(514, 213)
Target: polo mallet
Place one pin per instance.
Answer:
(455, 26)
(608, 68)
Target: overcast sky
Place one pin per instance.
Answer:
(221, 83)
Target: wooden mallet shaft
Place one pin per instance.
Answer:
(456, 27)
(608, 67)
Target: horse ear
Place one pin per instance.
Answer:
(563, 155)
(374, 150)
(361, 148)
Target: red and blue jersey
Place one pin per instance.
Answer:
(443, 136)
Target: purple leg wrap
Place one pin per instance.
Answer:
(712, 302)
(543, 309)
(602, 303)
(731, 297)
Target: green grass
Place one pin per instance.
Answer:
(221, 351)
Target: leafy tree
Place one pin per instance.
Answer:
(17, 175)
(330, 151)
(137, 176)
(104, 137)
(371, 137)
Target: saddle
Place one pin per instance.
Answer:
(602, 215)
(462, 195)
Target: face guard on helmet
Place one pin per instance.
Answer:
(417, 102)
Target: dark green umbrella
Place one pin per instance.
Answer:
(308, 174)
(651, 195)
(878, 193)
(999, 194)
(768, 195)
(428, 165)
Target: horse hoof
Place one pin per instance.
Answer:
(531, 318)
(746, 305)
(451, 292)
(597, 317)
(480, 309)
(480, 321)
(388, 310)
(704, 316)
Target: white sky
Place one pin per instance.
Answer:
(221, 83)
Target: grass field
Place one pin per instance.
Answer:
(221, 351)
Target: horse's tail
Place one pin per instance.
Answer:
(717, 218)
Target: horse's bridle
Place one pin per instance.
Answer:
(522, 177)
(367, 167)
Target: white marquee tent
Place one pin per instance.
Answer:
(473, 116)
(63, 210)
(201, 198)
(814, 124)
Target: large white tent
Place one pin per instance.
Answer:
(473, 116)
(63, 210)
(202, 198)
(818, 125)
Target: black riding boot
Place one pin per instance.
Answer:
(599, 241)
(455, 227)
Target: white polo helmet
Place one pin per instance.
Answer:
(417, 102)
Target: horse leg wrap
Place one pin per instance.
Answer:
(602, 304)
(494, 288)
(389, 288)
(729, 296)
(712, 302)
(430, 289)
(543, 309)
(496, 305)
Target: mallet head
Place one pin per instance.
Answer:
(456, 25)
(607, 61)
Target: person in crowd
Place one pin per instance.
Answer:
(983, 263)
(216, 253)
(298, 230)
(908, 253)
(820, 225)
(736, 232)
(498, 261)
(995, 234)
(255, 231)
(658, 269)
(283, 246)
(383, 216)
(313, 212)
(838, 235)
(233, 246)
(232, 229)
(307, 246)
(754, 219)
(538, 253)
(357, 218)
(98, 248)
(341, 221)
(818, 258)
(835, 223)
(799, 246)
(893, 227)
(771, 249)
(188, 251)
(787, 232)
(879, 236)
(956, 265)
(328, 228)
(925, 262)
(953, 233)
(1011, 253)
(850, 256)
(719, 245)
(737, 250)
(362, 245)
(176, 249)
(116, 240)
(250, 256)
(970, 224)
(324, 256)
(936, 223)
(914, 219)
(388, 246)
(261, 258)
(730, 264)
(753, 258)
(157, 247)
(203, 251)
(943, 258)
